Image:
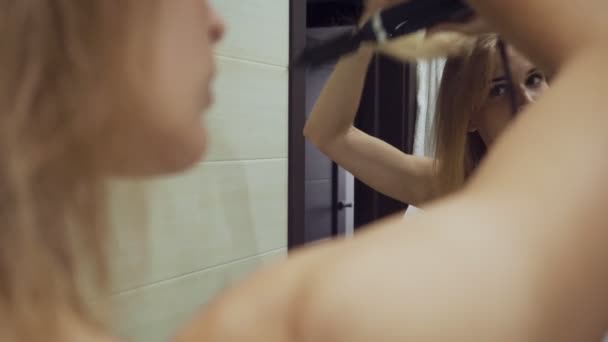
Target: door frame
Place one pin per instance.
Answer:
(296, 235)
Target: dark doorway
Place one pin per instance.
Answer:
(388, 112)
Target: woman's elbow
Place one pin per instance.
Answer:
(315, 137)
(308, 132)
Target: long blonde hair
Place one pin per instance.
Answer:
(60, 63)
(464, 87)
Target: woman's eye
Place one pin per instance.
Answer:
(535, 80)
(498, 90)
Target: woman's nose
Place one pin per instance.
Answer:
(524, 97)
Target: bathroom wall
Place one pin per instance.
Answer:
(228, 215)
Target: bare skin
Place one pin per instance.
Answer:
(501, 260)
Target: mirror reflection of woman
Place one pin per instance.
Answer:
(473, 109)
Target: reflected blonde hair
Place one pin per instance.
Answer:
(464, 88)
(61, 75)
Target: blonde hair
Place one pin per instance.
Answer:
(61, 67)
(465, 85)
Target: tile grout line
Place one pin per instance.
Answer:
(226, 161)
(252, 61)
(185, 275)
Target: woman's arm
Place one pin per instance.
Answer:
(404, 177)
(565, 28)
(378, 164)
(519, 255)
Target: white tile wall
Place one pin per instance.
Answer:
(228, 215)
(249, 119)
(217, 213)
(154, 312)
(258, 30)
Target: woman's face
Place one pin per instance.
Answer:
(496, 112)
(172, 77)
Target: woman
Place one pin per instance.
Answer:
(517, 254)
(473, 109)
(90, 90)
